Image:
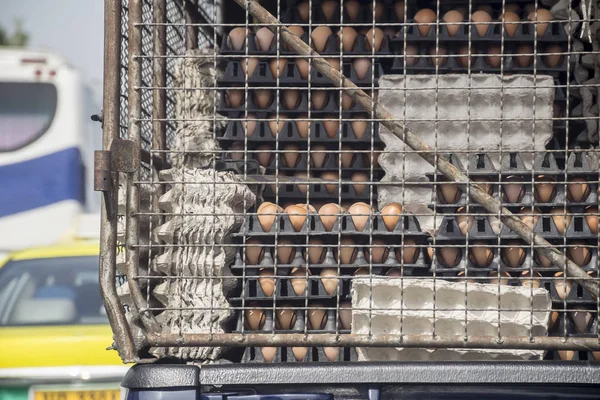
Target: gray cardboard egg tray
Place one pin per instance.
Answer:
(235, 132)
(290, 75)
(403, 306)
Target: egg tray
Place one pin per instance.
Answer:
(578, 229)
(365, 16)
(407, 226)
(317, 191)
(235, 132)
(290, 76)
(480, 164)
(449, 230)
(331, 106)
(525, 34)
(285, 355)
(332, 47)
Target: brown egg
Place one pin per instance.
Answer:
(352, 9)
(318, 155)
(379, 251)
(591, 218)
(424, 16)
(482, 19)
(513, 255)
(543, 17)
(511, 25)
(248, 65)
(391, 215)
(494, 59)
(266, 216)
(359, 177)
(307, 207)
(578, 189)
(360, 215)
(329, 280)
(302, 126)
(399, 10)
(264, 155)
(552, 60)
(347, 102)
(332, 176)
(303, 10)
(346, 314)
(529, 280)
(438, 57)
(566, 355)
(374, 36)
(545, 188)
(255, 251)
(300, 280)
(267, 281)
(318, 99)
(449, 193)
(481, 254)
(328, 215)
(276, 124)
(234, 98)
(347, 251)
(277, 68)
(297, 217)
(464, 221)
(331, 353)
(262, 205)
(334, 62)
(378, 10)
(408, 253)
(526, 59)
(361, 67)
(504, 278)
(255, 319)
(513, 192)
(464, 60)
(553, 319)
(316, 251)
(531, 219)
(560, 220)
(264, 39)
(237, 38)
(331, 123)
(359, 126)
(302, 188)
(268, 353)
(562, 289)
(329, 7)
(262, 97)
(347, 155)
(303, 67)
(317, 316)
(291, 157)
(296, 30)
(286, 317)
(320, 36)
(430, 253)
(299, 353)
(348, 37)
(411, 54)
(285, 251)
(451, 18)
(579, 253)
(449, 256)
(291, 98)
(581, 320)
(542, 261)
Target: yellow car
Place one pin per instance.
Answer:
(53, 328)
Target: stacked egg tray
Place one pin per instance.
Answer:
(286, 355)
(562, 323)
(407, 228)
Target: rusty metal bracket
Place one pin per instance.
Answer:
(124, 156)
(102, 178)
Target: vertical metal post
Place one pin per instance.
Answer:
(191, 37)
(108, 221)
(134, 29)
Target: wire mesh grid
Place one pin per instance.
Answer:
(275, 217)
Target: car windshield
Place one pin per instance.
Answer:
(51, 291)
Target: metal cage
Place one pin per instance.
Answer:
(259, 206)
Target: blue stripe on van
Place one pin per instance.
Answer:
(41, 181)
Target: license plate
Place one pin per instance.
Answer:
(77, 394)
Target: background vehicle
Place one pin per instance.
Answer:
(273, 296)
(53, 326)
(46, 148)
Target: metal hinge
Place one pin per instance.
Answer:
(123, 156)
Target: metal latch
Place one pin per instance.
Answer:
(123, 156)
